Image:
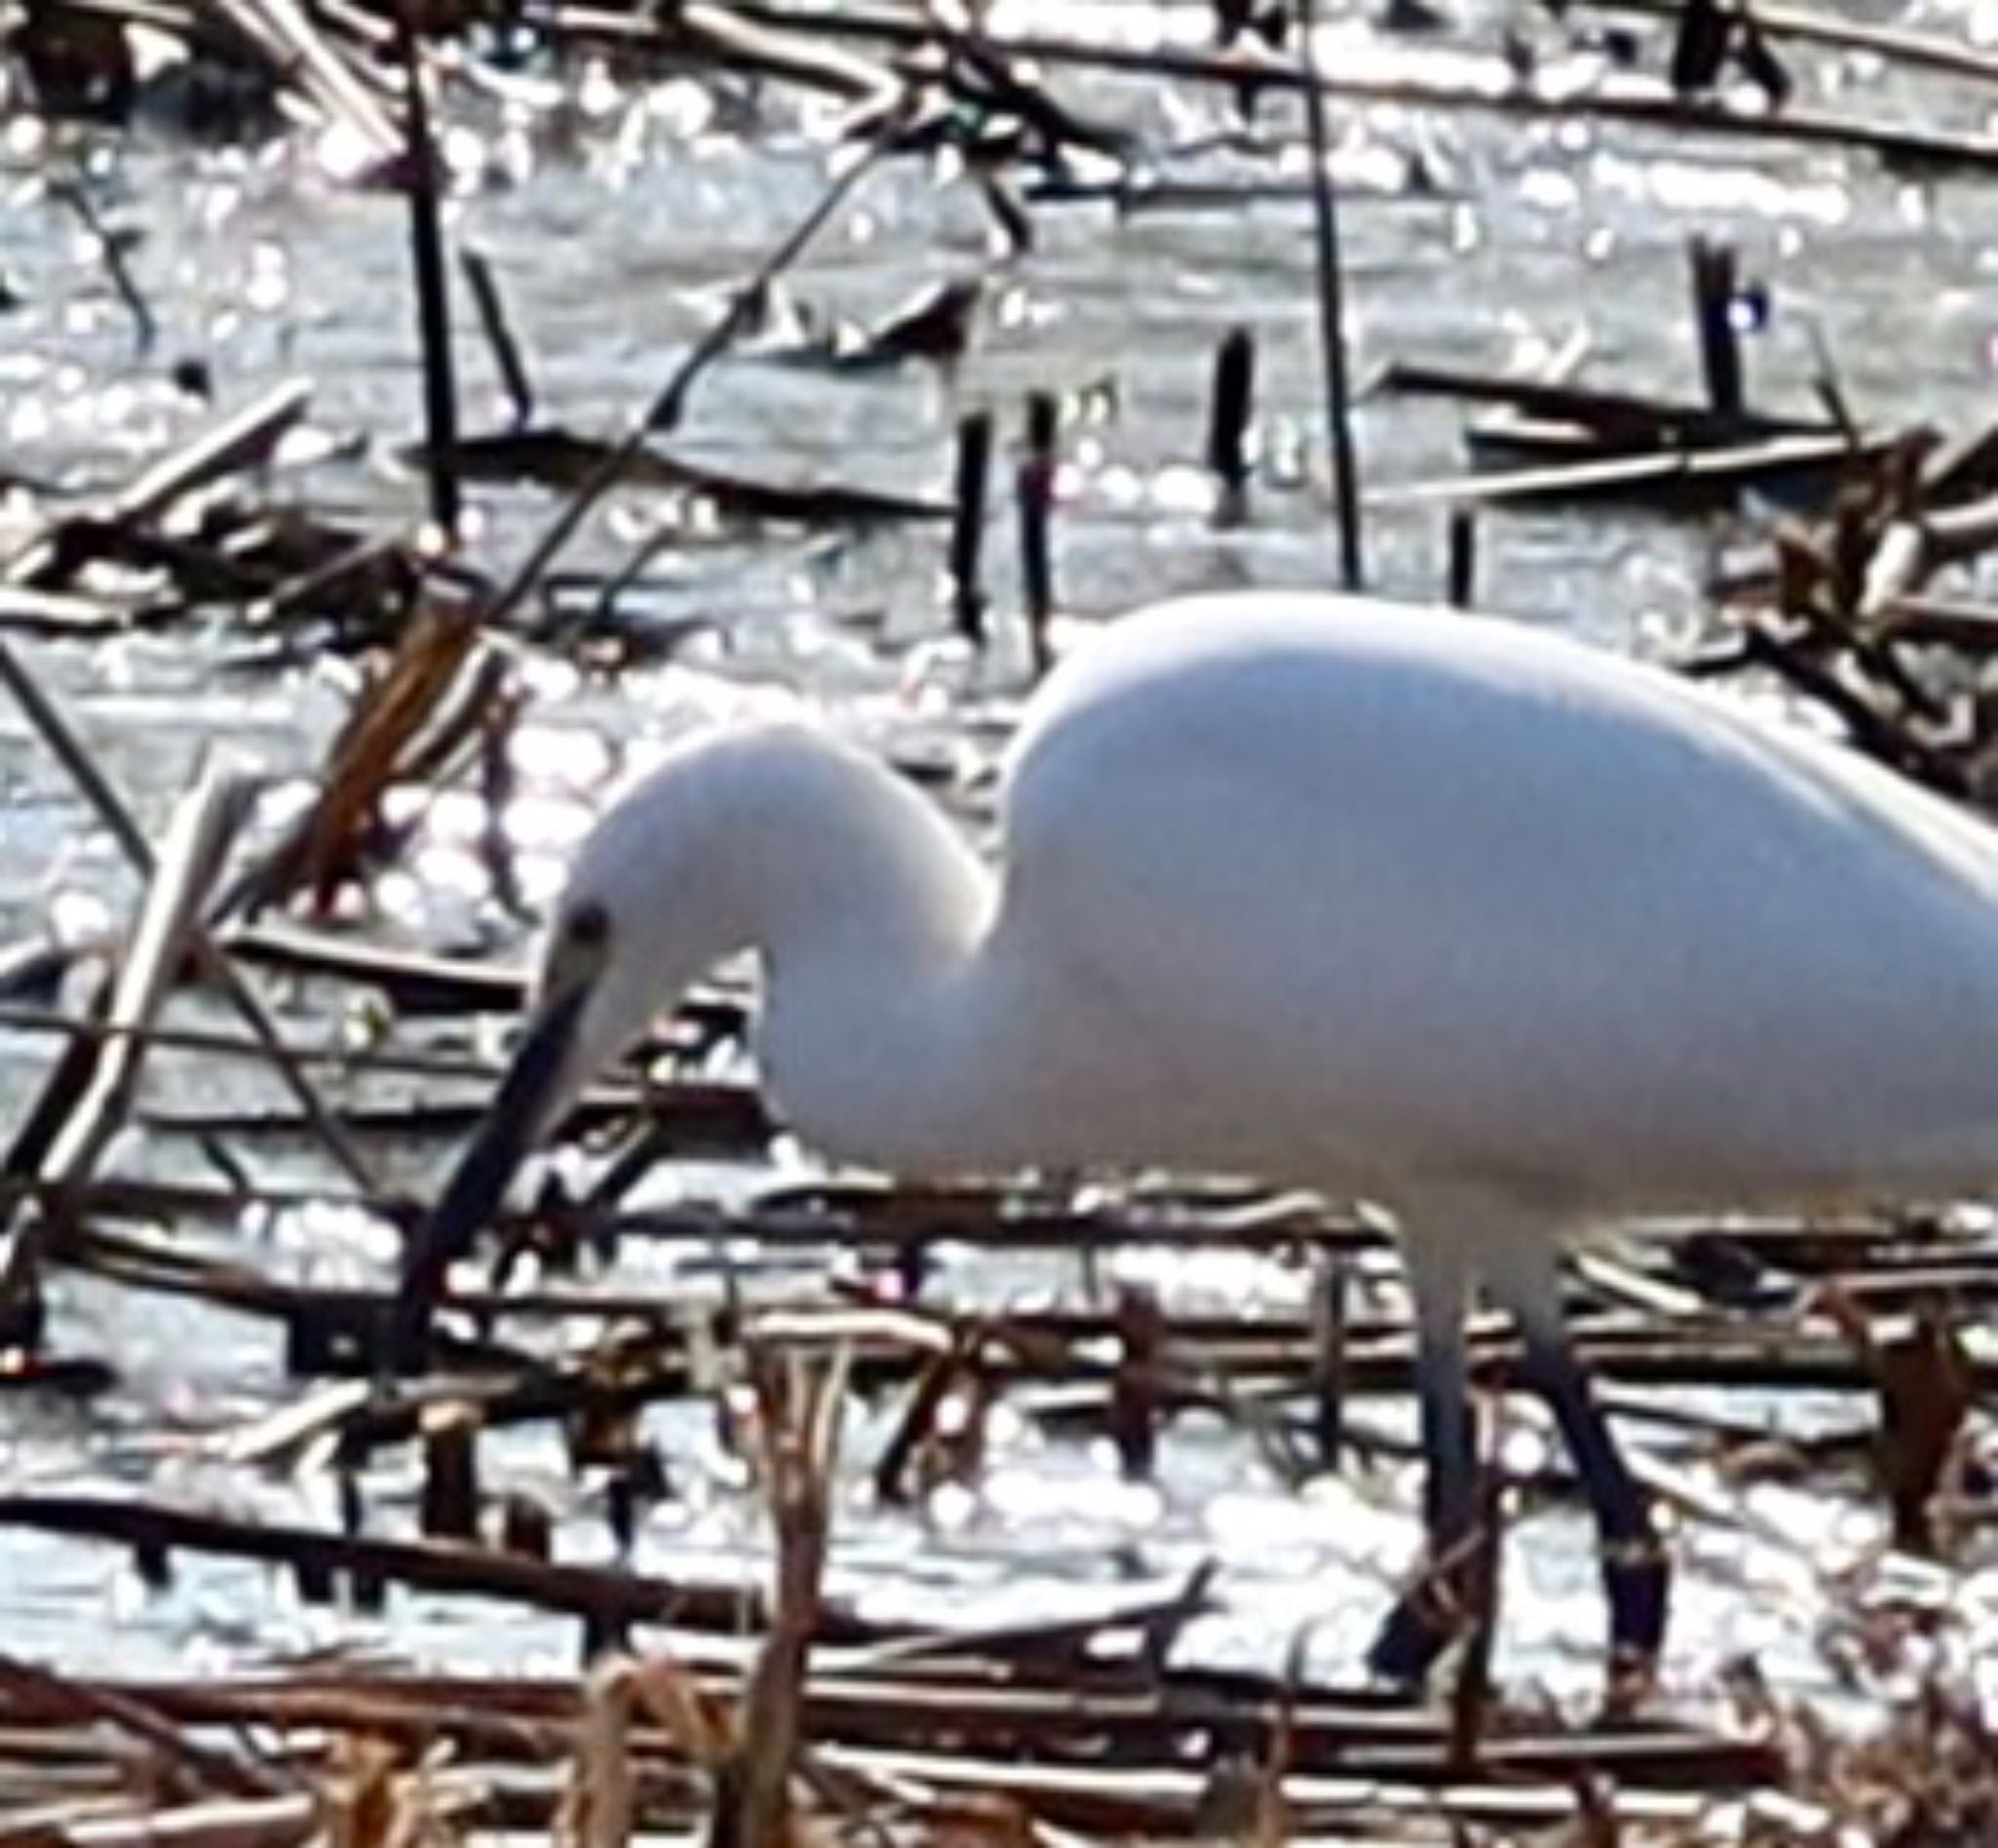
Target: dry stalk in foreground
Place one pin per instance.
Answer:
(602, 1804)
(799, 1407)
(751, 1760)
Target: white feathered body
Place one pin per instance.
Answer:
(1370, 897)
(1358, 895)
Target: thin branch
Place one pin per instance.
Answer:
(1345, 468)
(59, 734)
(663, 414)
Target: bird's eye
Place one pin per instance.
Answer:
(588, 927)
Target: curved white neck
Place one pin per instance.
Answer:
(869, 912)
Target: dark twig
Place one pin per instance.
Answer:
(1655, 108)
(1920, 51)
(87, 1096)
(663, 414)
(244, 439)
(1329, 1357)
(111, 251)
(450, 1505)
(1713, 312)
(1471, 1693)
(188, 1762)
(507, 354)
(1345, 468)
(60, 736)
(1034, 499)
(968, 524)
(1460, 586)
(421, 173)
(1231, 406)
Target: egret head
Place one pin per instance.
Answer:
(644, 912)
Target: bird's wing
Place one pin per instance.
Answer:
(1432, 892)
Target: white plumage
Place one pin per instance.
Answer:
(1505, 933)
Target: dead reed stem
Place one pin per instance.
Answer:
(1332, 331)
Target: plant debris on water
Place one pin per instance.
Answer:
(416, 415)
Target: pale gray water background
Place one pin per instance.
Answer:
(614, 237)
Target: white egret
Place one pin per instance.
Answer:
(1507, 933)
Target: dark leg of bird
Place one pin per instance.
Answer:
(1635, 1575)
(1431, 1612)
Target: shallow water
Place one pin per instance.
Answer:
(614, 232)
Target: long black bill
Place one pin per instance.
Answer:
(475, 1190)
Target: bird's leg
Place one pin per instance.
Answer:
(1431, 1612)
(1636, 1578)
